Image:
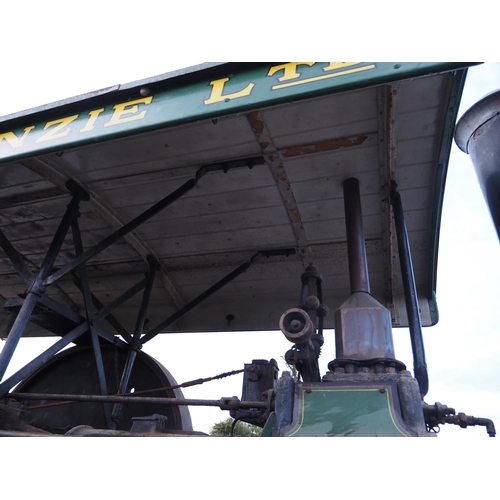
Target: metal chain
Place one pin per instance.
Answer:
(198, 381)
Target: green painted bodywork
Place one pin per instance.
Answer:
(267, 430)
(155, 104)
(348, 411)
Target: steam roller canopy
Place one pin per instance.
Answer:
(73, 372)
(189, 202)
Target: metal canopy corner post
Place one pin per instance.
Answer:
(37, 288)
(410, 292)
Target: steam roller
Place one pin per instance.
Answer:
(198, 201)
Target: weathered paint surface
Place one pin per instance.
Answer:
(139, 109)
(357, 411)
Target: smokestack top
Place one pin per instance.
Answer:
(477, 115)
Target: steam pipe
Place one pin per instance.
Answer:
(358, 263)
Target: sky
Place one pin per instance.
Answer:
(51, 52)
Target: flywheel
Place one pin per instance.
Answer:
(73, 371)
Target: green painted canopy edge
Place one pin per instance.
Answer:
(441, 172)
(187, 97)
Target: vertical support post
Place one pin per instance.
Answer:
(358, 263)
(139, 327)
(37, 288)
(87, 298)
(410, 291)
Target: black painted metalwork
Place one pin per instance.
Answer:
(150, 212)
(105, 311)
(135, 345)
(259, 384)
(40, 360)
(68, 372)
(108, 316)
(37, 287)
(410, 292)
(16, 258)
(210, 291)
(73, 325)
(89, 312)
(79, 328)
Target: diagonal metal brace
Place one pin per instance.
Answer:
(17, 259)
(37, 288)
(410, 293)
(89, 311)
(207, 293)
(100, 315)
(150, 212)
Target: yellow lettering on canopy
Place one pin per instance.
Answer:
(289, 70)
(337, 65)
(128, 108)
(12, 138)
(56, 131)
(90, 125)
(330, 74)
(218, 88)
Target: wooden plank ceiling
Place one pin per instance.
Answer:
(294, 201)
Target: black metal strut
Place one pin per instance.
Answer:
(81, 325)
(37, 287)
(410, 292)
(150, 212)
(210, 291)
(89, 313)
(135, 345)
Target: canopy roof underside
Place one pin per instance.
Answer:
(294, 200)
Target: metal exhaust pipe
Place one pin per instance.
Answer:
(478, 134)
(356, 249)
(363, 326)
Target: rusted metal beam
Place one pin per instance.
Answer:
(324, 146)
(274, 160)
